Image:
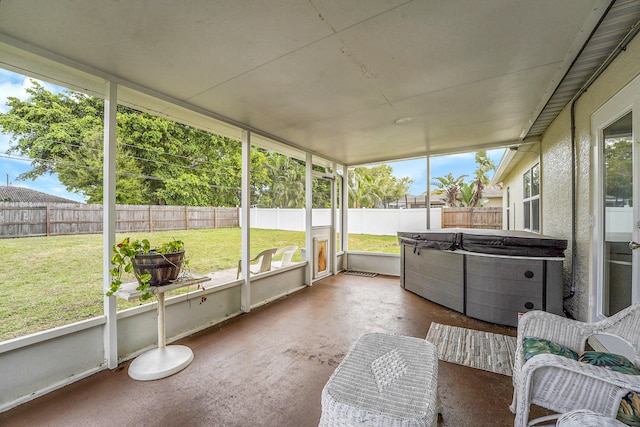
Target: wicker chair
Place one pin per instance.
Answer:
(585, 418)
(562, 384)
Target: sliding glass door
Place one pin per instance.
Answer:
(616, 211)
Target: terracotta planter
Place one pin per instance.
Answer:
(163, 268)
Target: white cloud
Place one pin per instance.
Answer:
(4, 142)
(16, 85)
(9, 88)
(471, 155)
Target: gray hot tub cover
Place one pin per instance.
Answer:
(495, 242)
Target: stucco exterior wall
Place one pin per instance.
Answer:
(514, 181)
(556, 175)
(556, 206)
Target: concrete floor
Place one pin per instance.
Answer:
(268, 367)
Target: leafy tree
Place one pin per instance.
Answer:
(371, 187)
(48, 127)
(449, 187)
(284, 186)
(618, 156)
(83, 168)
(363, 191)
(281, 182)
(321, 193)
(158, 161)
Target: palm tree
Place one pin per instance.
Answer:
(287, 181)
(364, 189)
(449, 187)
(485, 165)
(467, 194)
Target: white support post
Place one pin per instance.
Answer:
(109, 223)
(427, 195)
(245, 303)
(308, 182)
(334, 222)
(345, 213)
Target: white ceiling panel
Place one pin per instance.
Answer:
(326, 85)
(329, 76)
(427, 46)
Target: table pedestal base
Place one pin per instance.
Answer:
(160, 362)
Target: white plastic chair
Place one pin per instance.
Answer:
(287, 253)
(562, 384)
(260, 264)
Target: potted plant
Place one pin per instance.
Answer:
(151, 266)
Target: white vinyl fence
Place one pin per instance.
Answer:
(619, 224)
(381, 222)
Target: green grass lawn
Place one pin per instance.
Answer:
(52, 281)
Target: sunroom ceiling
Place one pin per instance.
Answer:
(329, 76)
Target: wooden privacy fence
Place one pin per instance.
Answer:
(472, 218)
(21, 219)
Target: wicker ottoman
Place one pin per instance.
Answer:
(384, 380)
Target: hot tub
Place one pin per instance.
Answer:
(491, 275)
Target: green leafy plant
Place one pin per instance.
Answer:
(122, 260)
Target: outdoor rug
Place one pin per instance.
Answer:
(476, 349)
(360, 273)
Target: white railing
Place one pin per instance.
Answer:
(382, 222)
(32, 375)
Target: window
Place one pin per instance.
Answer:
(531, 205)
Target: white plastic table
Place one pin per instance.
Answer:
(165, 360)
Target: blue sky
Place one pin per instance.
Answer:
(12, 84)
(457, 164)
